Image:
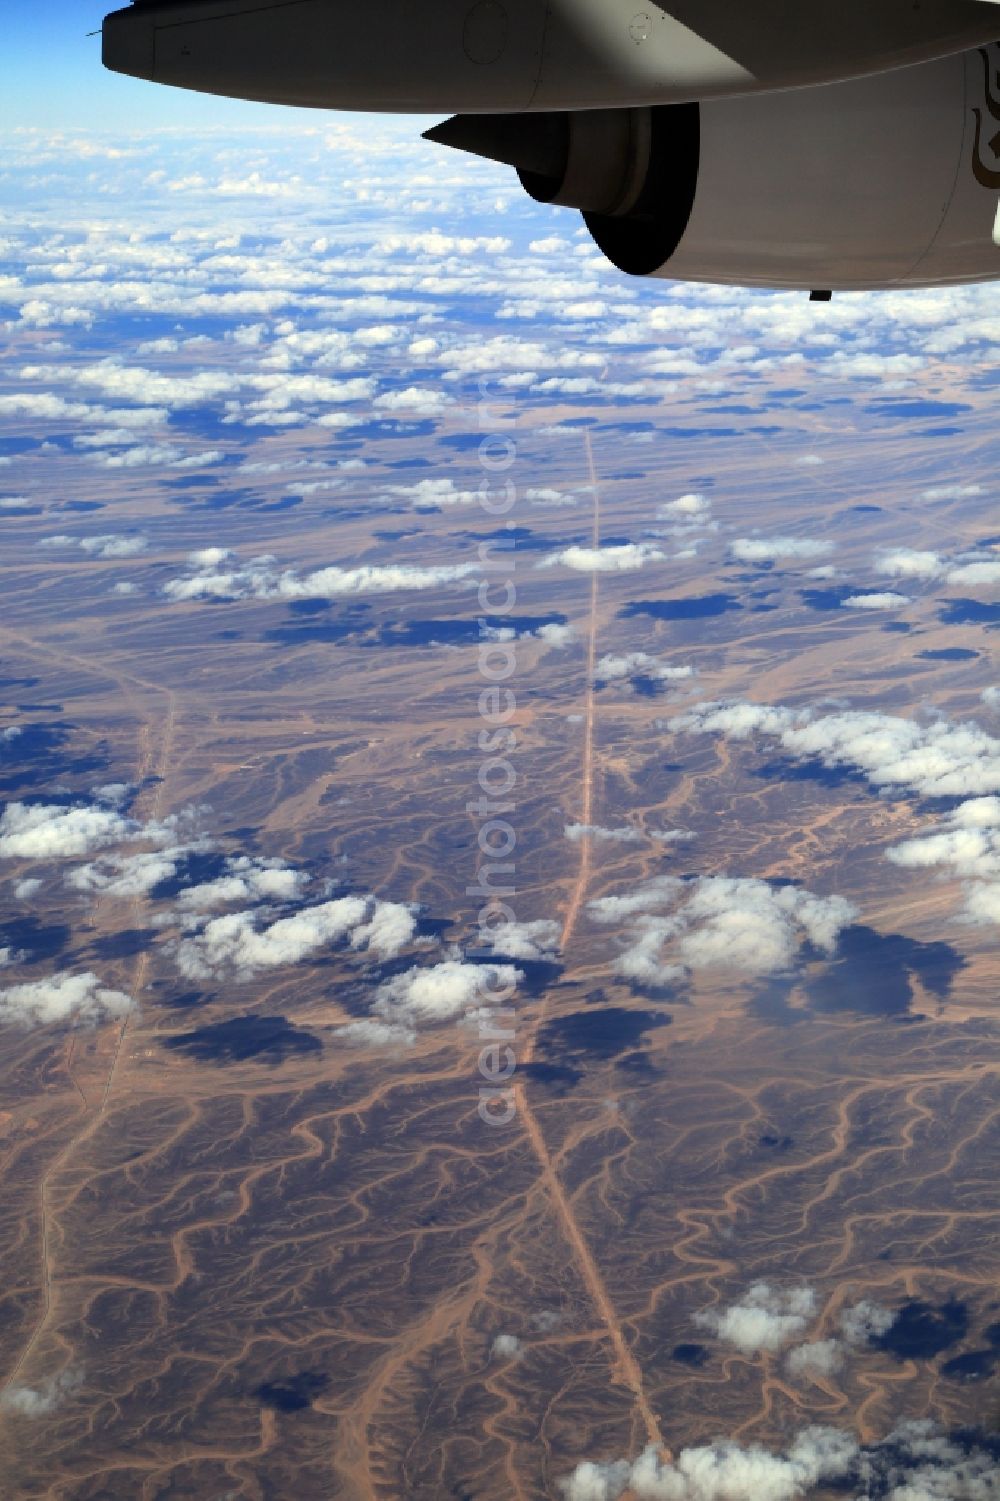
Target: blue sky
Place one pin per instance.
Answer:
(53, 77)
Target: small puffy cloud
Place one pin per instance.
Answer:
(38, 1401)
(114, 793)
(865, 1321)
(158, 455)
(820, 1358)
(525, 940)
(887, 600)
(976, 574)
(387, 929)
(246, 879)
(638, 664)
(261, 579)
(243, 944)
(880, 367)
(109, 546)
(676, 926)
(127, 875)
(522, 357)
(547, 1319)
(556, 635)
(939, 759)
(991, 698)
(765, 1318)
(43, 405)
(916, 1462)
(909, 563)
(413, 401)
(64, 999)
(776, 549)
(209, 557)
(971, 570)
(369, 1032)
(135, 383)
(625, 834)
(625, 557)
(442, 992)
(545, 496)
(42, 831)
(952, 492)
(982, 904)
(968, 839)
(248, 335)
(723, 1471)
(26, 889)
(597, 1482)
(506, 1347)
(437, 245)
(687, 509)
(37, 313)
(253, 185)
(553, 635)
(434, 494)
(965, 843)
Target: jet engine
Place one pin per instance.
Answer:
(834, 144)
(889, 180)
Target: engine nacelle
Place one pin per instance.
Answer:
(883, 181)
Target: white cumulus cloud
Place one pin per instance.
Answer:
(623, 557)
(638, 664)
(909, 563)
(776, 549)
(442, 992)
(623, 834)
(556, 635)
(507, 1347)
(262, 579)
(885, 600)
(537, 939)
(765, 1318)
(62, 999)
(38, 1401)
(674, 927)
(819, 1358)
(723, 1471)
(243, 943)
(916, 1462)
(40, 831)
(937, 759)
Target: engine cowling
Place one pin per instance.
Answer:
(883, 181)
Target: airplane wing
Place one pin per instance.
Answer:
(447, 56)
(779, 42)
